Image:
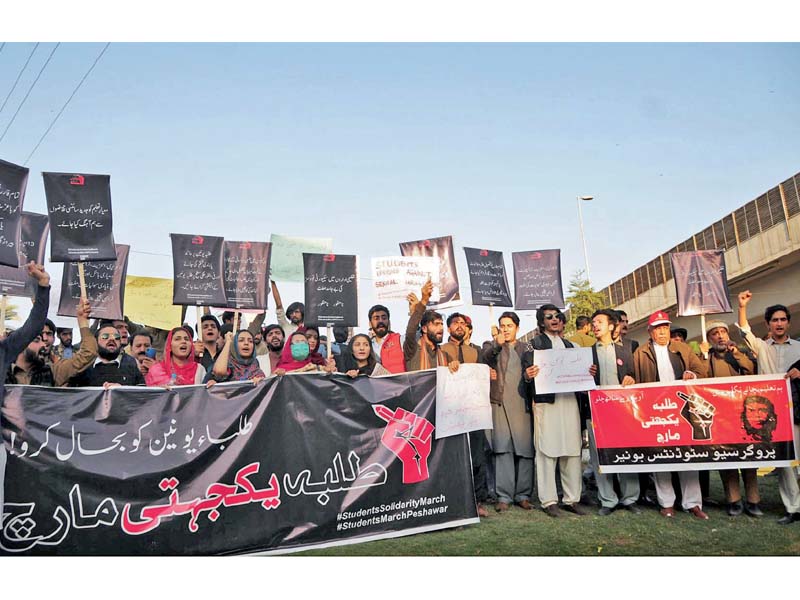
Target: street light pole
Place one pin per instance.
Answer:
(583, 238)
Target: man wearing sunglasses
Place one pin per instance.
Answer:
(112, 367)
(556, 423)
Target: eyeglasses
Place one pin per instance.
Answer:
(551, 316)
(105, 336)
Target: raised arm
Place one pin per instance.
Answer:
(19, 339)
(66, 368)
(221, 364)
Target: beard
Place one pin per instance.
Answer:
(34, 358)
(458, 336)
(434, 338)
(275, 345)
(107, 354)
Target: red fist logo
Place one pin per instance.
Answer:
(408, 436)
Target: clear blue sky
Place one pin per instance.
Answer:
(378, 144)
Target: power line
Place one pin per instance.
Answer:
(63, 108)
(19, 75)
(3, 45)
(30, 89)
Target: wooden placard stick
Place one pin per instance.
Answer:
(329, 332)
(82, 278)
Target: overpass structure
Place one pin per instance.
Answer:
(761, 241)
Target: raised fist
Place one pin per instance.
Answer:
(408, 436)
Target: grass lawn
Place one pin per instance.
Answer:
(532, 533)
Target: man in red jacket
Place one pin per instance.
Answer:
(387, 344)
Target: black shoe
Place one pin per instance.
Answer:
(789, 518)
(752, 509)
(576, 509)
(735, 508)
(605, 511)
(633, 508)
(552, 510)
(711, 502)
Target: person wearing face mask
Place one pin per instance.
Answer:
(237, 360)
(178, 366)
(359, 360)
(295, 357)
(312, 335)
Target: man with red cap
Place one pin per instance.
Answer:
(664, 360)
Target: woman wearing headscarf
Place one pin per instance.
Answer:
(237, 360)
(296, 357)
(178, 366)
(312, 335)
(358, 359)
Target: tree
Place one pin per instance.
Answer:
(582, 299)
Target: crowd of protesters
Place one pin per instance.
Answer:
(535, 446)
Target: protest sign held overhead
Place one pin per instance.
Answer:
(394, 277)
(286, 263)
(537, 279)
(13, 181)
(487, 277)
(247, 274)
(198, 269)
(105, 287)
(442, 249)
(331, 283)
(79, 208)
(730, 422)
(701, 282)
(148, 300)
(289, 464)
(33, 239)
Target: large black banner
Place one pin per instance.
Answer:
(331, 283)
(198, 270)
(441, 248)
(79, 208)
(487, 277)
(701, 282)
(247, 274)
(13, 181)
(105, 286)
(17, 282)
(537, 279)
(295, 462)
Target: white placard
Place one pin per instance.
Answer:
(563, 370)
(462, 400)
(394, 277)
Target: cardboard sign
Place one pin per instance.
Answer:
(537, 279)
(331, 284)
(247, 274)
(701, 282)
(105, 287)
(198, 269)
(79, 209)
(487, 277)
(441, 248)
(16, 281)
(13, 181)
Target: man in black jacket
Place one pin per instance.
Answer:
(112, 367)
(16, 341)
